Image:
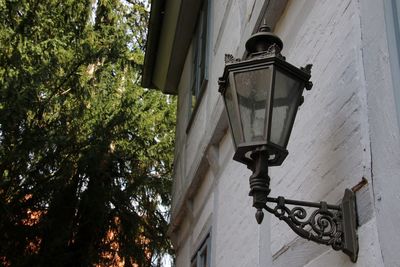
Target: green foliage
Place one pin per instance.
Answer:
(85, 153)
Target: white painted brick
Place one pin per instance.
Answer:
(329, 149)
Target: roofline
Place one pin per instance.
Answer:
(153, 36)
(160, 14)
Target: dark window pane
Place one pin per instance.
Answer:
(199, 63)
(203, 43)
(203, 258)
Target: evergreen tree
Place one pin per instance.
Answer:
(85, 153)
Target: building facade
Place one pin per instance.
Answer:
(346, 133)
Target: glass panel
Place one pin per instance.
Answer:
(233, 116)
(195, 88)
(286, 99)
(203, 42)
(200, 60)
(203, 258)
(392, 15)
(253, 91)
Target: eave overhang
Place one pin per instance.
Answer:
(170, 32)
(153, 35)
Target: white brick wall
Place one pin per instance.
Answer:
(328, 151)
(330, 147)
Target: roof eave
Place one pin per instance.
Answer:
(153, 36)
(177, 49)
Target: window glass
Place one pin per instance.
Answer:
(392, 16)
(202, 255)
(199, 63)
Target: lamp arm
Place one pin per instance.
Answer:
(322, 226)
(332, 225)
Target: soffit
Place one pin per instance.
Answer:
(171, 28)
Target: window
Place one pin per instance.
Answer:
(392, 16)
(200, 60)
(202, 257)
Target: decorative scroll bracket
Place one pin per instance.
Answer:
(332, 225)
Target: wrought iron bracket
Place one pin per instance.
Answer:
(332, 225)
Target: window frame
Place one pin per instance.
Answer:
(392, 19)
(197, 259)
(199, 67)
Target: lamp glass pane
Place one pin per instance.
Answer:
(253, 89)
(287, 91)
(233, 115)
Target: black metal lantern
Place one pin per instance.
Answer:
(262, 94)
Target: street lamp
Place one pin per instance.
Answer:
(262, 94)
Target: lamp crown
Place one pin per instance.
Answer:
(264, 28)
(262, 40)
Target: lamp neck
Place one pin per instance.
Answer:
(259, 181)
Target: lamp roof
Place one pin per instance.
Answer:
(262, 40)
